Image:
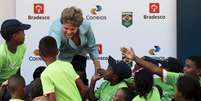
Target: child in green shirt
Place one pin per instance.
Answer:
(123, 94)
(59, 80)
(116, 72)
(192, 67)
(13, 49)
(144, 86)
(188, 88)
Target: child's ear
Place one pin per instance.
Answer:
(14, 35)
(115, 77)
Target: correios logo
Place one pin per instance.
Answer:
(154, 50)
(36, 52)
(36, 56)
(38, 8)
(154, 8)
(95, 10)
(95, 13)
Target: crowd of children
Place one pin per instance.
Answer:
(66, 81)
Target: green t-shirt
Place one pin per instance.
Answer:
(168, 90)
(16, 100)
(59, 77)
(171, 78)
(10, 62)
(106, 91)
(152, 96)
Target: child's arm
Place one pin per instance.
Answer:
(94, 78)
(83, 89)
(40, 98)
(51, 97)
(129, 53)
(2, 90)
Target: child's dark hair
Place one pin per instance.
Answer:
(160, 90)
(6, 36)
(196, 60)
(143, 82)
(14, 81)
(36, 88)
(172, 64)
(48, 46)
(38, 72)
(79, 62)
(189, 87)
(129, 94)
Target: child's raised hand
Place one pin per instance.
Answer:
(5, 83)
(101, 71)
(96, 77)
(129, 53)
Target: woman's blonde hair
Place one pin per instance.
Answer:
(72, 15)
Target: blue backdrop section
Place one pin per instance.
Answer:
(188, 28)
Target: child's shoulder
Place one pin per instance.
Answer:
(104, 84)
(2, 49)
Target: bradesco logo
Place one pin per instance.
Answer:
(95, 13)
(154, 10)
(100, 52)
(38, 8)
(38, 11)
(100, 48)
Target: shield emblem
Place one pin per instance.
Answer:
(127, 19)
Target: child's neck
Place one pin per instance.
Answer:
(114, 82)
(50, 60)
(12, 46)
